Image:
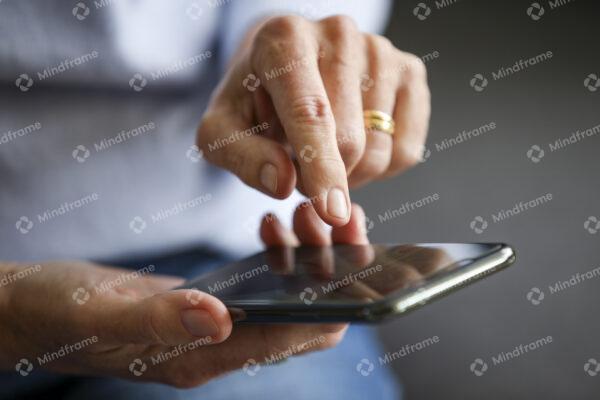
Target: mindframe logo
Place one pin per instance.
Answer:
(80, 296)
(408, 349)
(81, 11)
(66, 350)
(592, 367)
(251, 367)
(24, 225)
(238, 135)
(180, 350)
(350, 278)
(479, 224)
(24, 367)
(236, 278)
(366, 82)
(24, 82)
(480, 366)
(138, 367)
(537, 152)
(479, 82)
(195, 10)
(536, 295)
(121, 279)
(422, 11)
(392, 71)
(251, 82)
(19, 274)
(465, 136)
(81, 152)
(365, 367)
(536, 10)
(308, 296)
(138, 224)
(407, 207)
(138, 81)
(194, 154)
(592, 225)
(591, 82)
(308, 153)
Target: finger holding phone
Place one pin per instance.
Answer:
(121, 331)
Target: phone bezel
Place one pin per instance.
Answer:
(397, 303)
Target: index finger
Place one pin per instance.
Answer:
(288, 58)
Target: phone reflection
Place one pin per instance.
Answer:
(327, 274)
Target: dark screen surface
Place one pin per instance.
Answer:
(336, 275)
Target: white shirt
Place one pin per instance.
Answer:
(99, 104)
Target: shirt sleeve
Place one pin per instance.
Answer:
(240, 15)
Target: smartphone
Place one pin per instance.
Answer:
(349, 283)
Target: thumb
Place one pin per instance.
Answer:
(169, 318)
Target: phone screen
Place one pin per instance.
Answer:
(335, 275)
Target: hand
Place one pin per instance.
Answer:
(118, 331)
(302, 123)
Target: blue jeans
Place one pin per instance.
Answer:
(328, 374)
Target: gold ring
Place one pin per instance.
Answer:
(376, 120)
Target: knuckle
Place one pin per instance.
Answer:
(380, 52)
(340, 25)
(276, 38)
(379, 44)
(405, 156)
(325, 169)
(282, 26)
(414, 68)
(313, 110)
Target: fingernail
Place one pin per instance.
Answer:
(199, 323)
(268, 177)
(336, 204)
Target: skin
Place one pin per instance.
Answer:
(143, 317)
(317, 106)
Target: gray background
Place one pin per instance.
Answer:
(492, 172)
